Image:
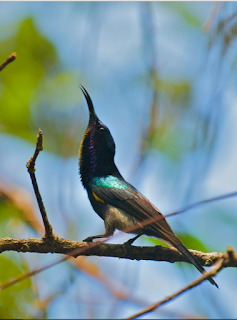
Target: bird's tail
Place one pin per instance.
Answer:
(194, 261)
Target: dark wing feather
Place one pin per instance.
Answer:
(134, 203)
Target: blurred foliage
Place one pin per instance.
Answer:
(191, 242)
(34, 59)
(54, 108)
(224, 31)
(179, 93)
(167, 130)
(35, 93)
(157, 242)
(18, 211)
(172, 99)
(17, 301)
(10, 219)
(184, 12)
(188, 240)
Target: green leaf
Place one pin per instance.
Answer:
(188, 240)
(10, 220)
(157, 242)
(17, 300)
(191, 242)
(35, 57)
(179, 92)
(35, 94)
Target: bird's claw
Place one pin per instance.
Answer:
(130, 241)
(88, 239)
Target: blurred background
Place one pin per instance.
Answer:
(162, 77)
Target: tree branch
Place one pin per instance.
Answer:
(11, 58)
(76, 248)
(31, 169)
(225, 260)
(197, 204)
(218, 266)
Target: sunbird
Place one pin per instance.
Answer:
(116, 201)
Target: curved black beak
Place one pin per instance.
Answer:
(89, 103)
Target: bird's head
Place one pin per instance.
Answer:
(97, 148)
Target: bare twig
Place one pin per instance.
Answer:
(197, 204)
(11, 58)
(218, 266)
(207, 25)
(31, 169)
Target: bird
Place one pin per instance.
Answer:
(116, 201)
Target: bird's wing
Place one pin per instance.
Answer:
(131, 201)
(126, 197)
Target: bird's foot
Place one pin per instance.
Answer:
(130, 241)
(89, 239)
(100, 236)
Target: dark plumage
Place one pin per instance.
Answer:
(117, 202)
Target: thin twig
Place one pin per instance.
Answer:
(11, 58)
(197, 204)
(207, 25)
(32, 273)
(220, 263)
(31, 169)
(218, 266)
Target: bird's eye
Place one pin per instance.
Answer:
(101, 129)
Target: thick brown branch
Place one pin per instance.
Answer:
(31, 169)
(11, 58)
(69, 247)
